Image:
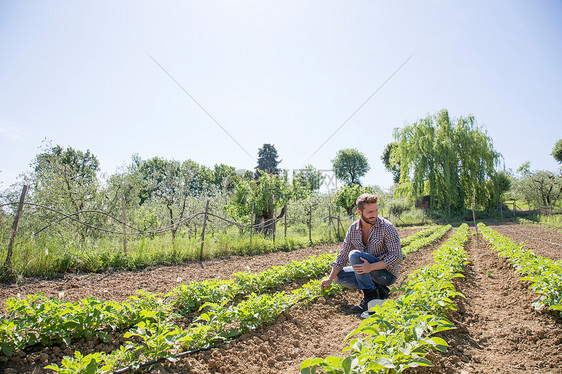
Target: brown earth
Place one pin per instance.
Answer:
(119, 285)
(544, 242)
(497, 330)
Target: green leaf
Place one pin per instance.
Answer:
(385, 362)
(419, 361)
(311, 362)
(349, 363)
(7, 349)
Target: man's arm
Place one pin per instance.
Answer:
(332, 277)
(394, 250)
(340, 262)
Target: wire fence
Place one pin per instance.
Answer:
(127, 230)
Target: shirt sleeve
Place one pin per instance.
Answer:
(394, 250)
(343, 256)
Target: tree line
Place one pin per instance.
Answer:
(158, 192)
(451, 160)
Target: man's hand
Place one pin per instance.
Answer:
(364, 268)
(325, 283)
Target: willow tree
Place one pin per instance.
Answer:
(451, 160)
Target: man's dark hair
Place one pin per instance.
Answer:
(366, 198)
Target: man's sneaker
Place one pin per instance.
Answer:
(370, 305)
(368, 295)
(361, 307)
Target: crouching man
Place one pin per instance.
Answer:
(372, 247)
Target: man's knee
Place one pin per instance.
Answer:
(355, 257)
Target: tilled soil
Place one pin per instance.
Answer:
(544, 242)
(497, 329)
(318, 330)
(119, 286)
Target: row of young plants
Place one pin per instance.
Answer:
(41, 320)
(544, 274)
(397, 335)
(38, 319)
(424, 238)
(217, 324)
(418, 235)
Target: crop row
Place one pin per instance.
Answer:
(544, 274)
(38, 319)
(418, 235)
(217, 324)
(424, 240)
(398, 334)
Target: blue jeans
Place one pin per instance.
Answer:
(348, 278)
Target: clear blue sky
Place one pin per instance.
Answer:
(79, 73)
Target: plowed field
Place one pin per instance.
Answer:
(497, 330)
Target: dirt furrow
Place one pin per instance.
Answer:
(497, 329)
(546, 243)
(305, 332)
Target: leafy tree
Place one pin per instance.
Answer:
(267, 160)
(266, 194)
(224, 176)
(346, 197)
(394, 165)
(557, 151)
(66, 179)
(170, 183)
(498, 184)
(202, 178)
(307, 180)
(541, 188)
(350, 165)
(525, 168)
(450, 160)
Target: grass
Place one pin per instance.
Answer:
(552, 221)
(46, 256)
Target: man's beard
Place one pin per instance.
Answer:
(370, 221)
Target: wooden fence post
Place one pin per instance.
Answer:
(475, 225)
(339, 222)
(8, 262)
(514, 208)
(310, 225)
(252, 222)
(124, 224)
(203, 233)
(501, 209)
(285, 220)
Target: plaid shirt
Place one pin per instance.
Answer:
(383, 242)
